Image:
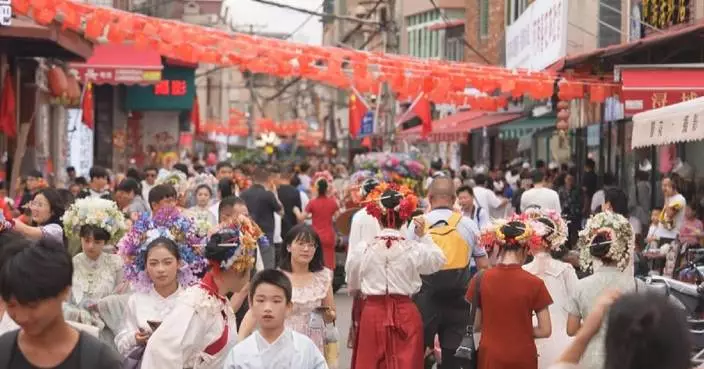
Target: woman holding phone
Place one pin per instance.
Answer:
(159, 269)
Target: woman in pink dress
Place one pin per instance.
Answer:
(322, 210)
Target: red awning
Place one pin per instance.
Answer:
(445, 25)
(455, 128)
(120, 64)
(657, 38)
(647, 88)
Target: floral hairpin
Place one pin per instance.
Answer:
(618, 231)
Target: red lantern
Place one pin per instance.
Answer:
(562, 105)
(58, 84)
(563, 114)
(74, 90)
(562, 125)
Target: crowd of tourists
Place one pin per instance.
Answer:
(232, 266)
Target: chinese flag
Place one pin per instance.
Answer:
(8, 113)
(195, 115)
(357, 111)
(87, 106)
(422, 111)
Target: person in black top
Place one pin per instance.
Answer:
(35, 279)
(262, 204)
(290, 198)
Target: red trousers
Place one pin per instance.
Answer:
(390, 334)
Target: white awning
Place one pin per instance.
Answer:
(680, 122)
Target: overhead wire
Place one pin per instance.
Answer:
(464, 39)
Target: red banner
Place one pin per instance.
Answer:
(656, 87)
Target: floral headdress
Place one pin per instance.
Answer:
(176, 178)
(494, 236)
(405, 209)
(324, 175)
(96, 212)
(555, 233)
(235, 245)
(203, 179)
(169, 223)
(616, 229)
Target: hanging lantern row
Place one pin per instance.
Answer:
(440, 81)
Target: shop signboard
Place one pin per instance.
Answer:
(5, 12)
(538, 38)
(175, 91)
(681, 122)
(646, 88)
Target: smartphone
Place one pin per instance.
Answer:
(153, 325)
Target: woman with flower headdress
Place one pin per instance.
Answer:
(200, 331)
(508, 297)
(606, 247)
(161, 260)
(179, 181)
(323, 210)
(560, 279)
(387, 272)
(96, 274)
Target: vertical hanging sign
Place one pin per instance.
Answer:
(367, 128)
(5, 12)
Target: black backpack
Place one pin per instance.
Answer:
(91, 350)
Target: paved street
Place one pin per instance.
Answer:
(344, 318)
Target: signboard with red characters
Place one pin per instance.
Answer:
(175, 91)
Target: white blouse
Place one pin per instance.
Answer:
(194, 324)
(143, 307)
(376, 269)
(95, 279)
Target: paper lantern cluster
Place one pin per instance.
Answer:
(442, 81)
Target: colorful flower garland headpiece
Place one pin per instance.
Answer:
(171, 224)
(494, 236)
(234, 246)
(555, 233)
(406, 207)
(617, 229)
(325, 175)
(96, 212)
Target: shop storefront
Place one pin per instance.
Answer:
(159, 114)
(112, 68)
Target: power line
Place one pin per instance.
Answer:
(304, 23)
(315, 13)
(464, 40)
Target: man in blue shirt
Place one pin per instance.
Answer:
(447, 314)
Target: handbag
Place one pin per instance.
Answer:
(133, 360)
(332, 350)
(467, 349)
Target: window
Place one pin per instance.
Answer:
(610, 23)
(419, 43)
(483, 18)
(435, 52)
(412, 43)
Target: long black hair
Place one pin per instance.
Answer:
(645, 331)
(302, 233)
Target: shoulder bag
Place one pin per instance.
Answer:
(467, 349)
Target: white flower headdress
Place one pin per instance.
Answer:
(96, 212)
(619, 233)
(555, 232)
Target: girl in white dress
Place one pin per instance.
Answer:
(560, 279)
(96, 274)
(201, 329)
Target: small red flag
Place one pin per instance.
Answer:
(367, 142)
(195, 115)
(87, 106)
(422, 111)
(8, 111)
(357, 110)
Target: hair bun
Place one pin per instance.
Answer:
(549, 224)
(390, 199)
(601, 245)
(513, 230)
(213, 250)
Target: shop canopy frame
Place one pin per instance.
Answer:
(442, 81)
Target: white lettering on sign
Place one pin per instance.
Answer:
(538, 37)
(5, 12)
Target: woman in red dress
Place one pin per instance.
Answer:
(508, 298)
(323, 210)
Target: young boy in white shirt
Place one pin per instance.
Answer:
(273, 345)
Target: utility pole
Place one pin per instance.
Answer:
(391, 46)
(249, 82)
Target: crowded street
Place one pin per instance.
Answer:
(351, 184)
